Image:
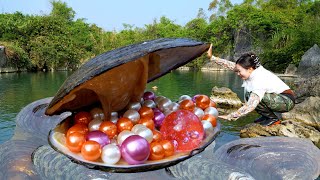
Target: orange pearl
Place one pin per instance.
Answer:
(124, 124)
(202, 101)
(146, 112)
(168, 147)
(187, 104)
(157, 136)
(80, 127)
(109, 128)
(82, 117)
(75, 141)
(156, 151)
(211, 119)
(91, 150)
(148, 122)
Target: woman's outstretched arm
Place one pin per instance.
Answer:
(223, 62)
(249, 106)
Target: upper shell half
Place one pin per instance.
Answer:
(117, 77)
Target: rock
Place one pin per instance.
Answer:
(225, 99)
(243, 42)
(3, 57)
(212, 66)
(307, 87)
(273, 157)
(291, 70)
(310, 59)
(307, 112)
(287, 128)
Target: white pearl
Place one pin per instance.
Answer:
(134, 105)
(94, 124)
(123, 135)
(199, 112)
(136, 127)
(145, 133)
(174, 106)
(149, 103)
(164, 104)
(110, 154)
(207, 126)
(133, 115)
(212, 110)
(183, 97)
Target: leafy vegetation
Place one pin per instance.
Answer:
(281, 31)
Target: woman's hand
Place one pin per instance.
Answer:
(229, 117)
(224, 117)
(209, 52)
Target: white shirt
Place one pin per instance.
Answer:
(262, 81)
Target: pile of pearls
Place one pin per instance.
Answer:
(134, 135)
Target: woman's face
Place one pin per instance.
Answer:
(242, 72)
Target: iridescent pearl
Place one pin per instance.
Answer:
(114, 119)
(134, 105)
(207, 126)
(158, 99)
(110, 154)
(199, 112)
(211, 110)
(174, 106)
(97, 113)
(164, 104)
(149, 103)
(183, 97)
(136, 127)
(94, 124)
(145, 133)
(133, 115)
(123, 135)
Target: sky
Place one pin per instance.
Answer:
(111, 15)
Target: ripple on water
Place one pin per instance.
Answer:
(7, 124)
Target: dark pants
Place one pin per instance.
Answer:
(272, 105)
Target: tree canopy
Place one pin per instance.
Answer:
(281, 31)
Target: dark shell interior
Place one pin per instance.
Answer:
(117, 77)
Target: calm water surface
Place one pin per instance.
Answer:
(19, 89)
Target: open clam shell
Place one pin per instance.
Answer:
(57, 141)
(116, 77)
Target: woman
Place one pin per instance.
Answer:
(264, 92)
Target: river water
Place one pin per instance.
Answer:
(19, 89)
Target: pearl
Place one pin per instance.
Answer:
(133, 115)
(199, 112)
(134, 105)
(145, 133)
(164, 104)
(97, 113)
(94, 124)
(124, 135)
(207, 126)
(110, 154)
(149, 103)
(211, 110)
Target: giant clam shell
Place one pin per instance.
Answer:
(57, 142)
(117, 77)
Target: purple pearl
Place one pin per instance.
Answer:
(135, 150)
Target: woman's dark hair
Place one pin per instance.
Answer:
(248, 60)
